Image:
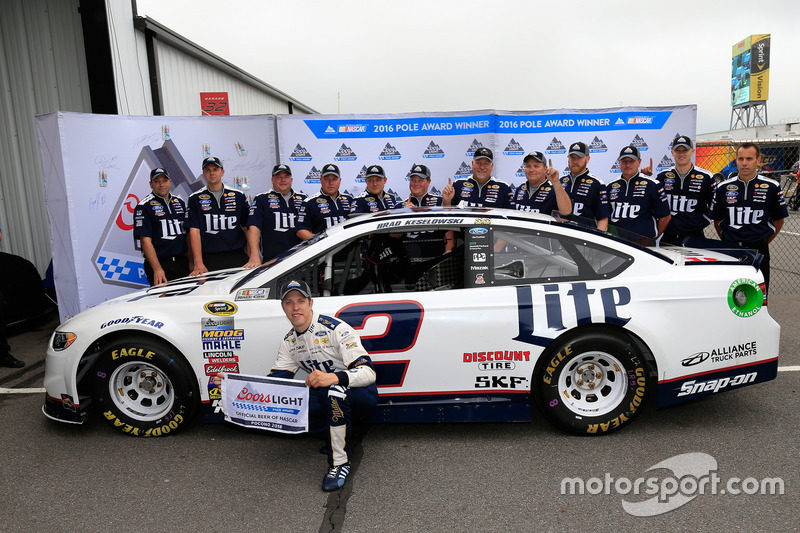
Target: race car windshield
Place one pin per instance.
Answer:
(272, 262)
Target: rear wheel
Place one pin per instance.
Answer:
(592, 383)
(144, 387)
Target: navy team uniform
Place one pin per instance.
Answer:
(330, 345)
(422, 245)
(367, 202)
(689, 198)
(637, 204)
(746, 211)
(222, 227)
(588, 195)
(320, 212)
(539, 200)
(493, 193)
(276, 218)
(163, 222)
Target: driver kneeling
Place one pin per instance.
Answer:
(341, 376)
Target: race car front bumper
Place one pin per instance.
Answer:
(63, 410)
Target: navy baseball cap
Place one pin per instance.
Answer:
(483, 153)
(212, 161)
(294, 285)
(158, 172)
(421, 171)
(281, 168)
(629, 152)
(578, 148)
(375, 170)
(539, 156)
(682, 140)
(330, 168)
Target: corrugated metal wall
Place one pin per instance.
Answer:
(183, 78)
(42, 69)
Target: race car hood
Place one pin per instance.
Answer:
(219, 282)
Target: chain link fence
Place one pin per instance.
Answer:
(778, 161)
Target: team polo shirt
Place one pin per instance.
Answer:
(493, 193)
(746, 210)
(689, 199)
(320, 212)
(426, 200)
(422, 245)
(588, 195)
(276, 218)
(367, 202)
(540, 199)
(221, 224)
(163, 221)
(637, 204)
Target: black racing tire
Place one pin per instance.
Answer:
(144, 387)
(592, 383)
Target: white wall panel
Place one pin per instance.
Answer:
(183, 78)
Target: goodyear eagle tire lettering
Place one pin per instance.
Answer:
(592, 383)
(144, 388)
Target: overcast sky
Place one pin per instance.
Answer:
(462, 55)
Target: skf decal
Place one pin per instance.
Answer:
(500, 382)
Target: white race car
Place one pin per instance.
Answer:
(526, 312)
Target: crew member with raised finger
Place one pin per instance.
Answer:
(542, 192)
(480, 189)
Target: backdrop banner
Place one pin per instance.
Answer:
(97, 169)
(97, 166)
(445, 142)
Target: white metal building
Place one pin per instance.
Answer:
(96, 56)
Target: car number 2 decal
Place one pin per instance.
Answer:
(405, 320)
(402, 331)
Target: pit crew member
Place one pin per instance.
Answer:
(638, 204)
(749, 210)
(587, 192)
(480, 189)
(326, 208)
(425, 244)
(690, 192)
(272, 219)
(375, 198)
(159, 227)
(542, 192)
(217, 221)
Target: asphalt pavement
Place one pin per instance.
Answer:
(409, 477)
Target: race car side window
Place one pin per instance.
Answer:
(385, 263)
(533, 256)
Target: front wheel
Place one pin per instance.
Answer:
(592, 383)
(144, 387)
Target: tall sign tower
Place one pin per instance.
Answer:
(750, 82)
